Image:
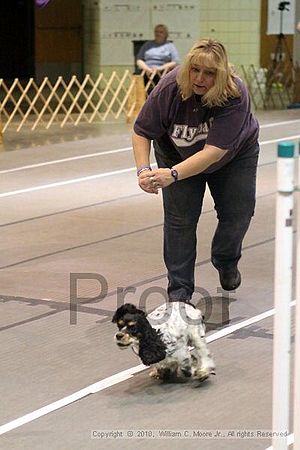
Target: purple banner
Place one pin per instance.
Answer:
(41, 3)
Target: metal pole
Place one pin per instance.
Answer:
(297, 325)
(283, 295)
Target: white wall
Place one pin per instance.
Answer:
(235, 22)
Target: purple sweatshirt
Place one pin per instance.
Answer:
(182, 128)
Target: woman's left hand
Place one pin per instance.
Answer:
(161, 178)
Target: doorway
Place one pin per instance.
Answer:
(16, 39)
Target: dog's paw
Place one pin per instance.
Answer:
(162, 373)
(201, 373)
(154, 374)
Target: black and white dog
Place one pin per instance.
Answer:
(164, 338)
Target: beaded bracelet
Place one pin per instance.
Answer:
(141, 169)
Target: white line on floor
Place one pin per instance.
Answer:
(119, 377)
(102, 175)
(277, 124)
(63, 160)
(287, 138)
(64, 183)
(125, 149)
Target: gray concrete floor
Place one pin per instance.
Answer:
(108, 229)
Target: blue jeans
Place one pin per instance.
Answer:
(233, 189)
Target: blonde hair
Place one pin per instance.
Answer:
(210, 53)
(163, 27)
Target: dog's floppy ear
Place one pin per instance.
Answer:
(151, 348)
(152, 354)
(128, 308)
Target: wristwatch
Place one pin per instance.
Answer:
(174, 174)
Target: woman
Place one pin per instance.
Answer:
(158, 55)
(203, 132)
